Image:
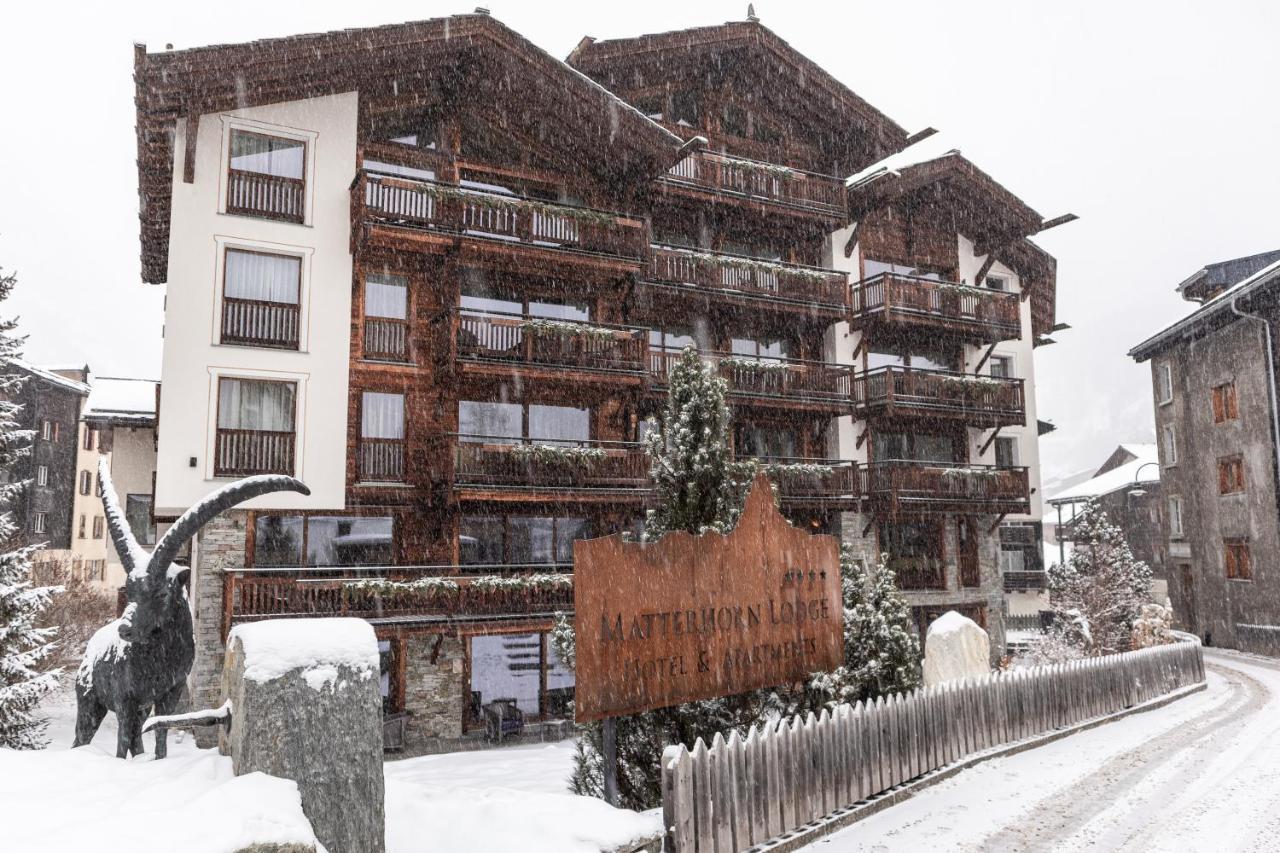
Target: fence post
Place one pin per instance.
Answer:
(677, 799)
(704, 832)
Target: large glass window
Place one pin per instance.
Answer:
(532, 540)
(674, 339)
(267, 155)
(382, 415)
(871, 268)
(507, 666)
(481, 421)
(386, 296)
(252, 404)
(291, 540)
(262, 277)
(277, 540)
(765, 441)
(509, 540)
(559, 423)
(760, 349)
(916, 447)
(481, 540)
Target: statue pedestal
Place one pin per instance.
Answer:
(306, 706)
(955, 647)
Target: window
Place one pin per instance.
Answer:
(510, 422)
(510, 540)
(914, 446)
(86, 482)
(260, 299)
(137, 511)
(42, 475)
(292, 540)
(1002, 366)
(671, 340)
(1013, 558)
(1231, 475)
(90, 437)
(1224, 403)
(997, 282)
(49, 430)
(97, 527)
(1169, 441)
(915, 552)
(266, 176)
(1236, 559)
(872, 268)
(1006, 451)
(40, 522)
(520, 667)
(761, 350)
(82, 525)
(1164, 383)
(386, 312)
(1175, 516)
(381, 437)
(255, 428)
(764, 441)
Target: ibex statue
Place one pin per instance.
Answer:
(142, 659)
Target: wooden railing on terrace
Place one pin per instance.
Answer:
(244, 452)
(990, 315)
(537, 341)
(908, 391)
(509, 218)
(764, 279)
(260, 322)
(760, 181)
(382, 460)
(310, 592)
(801, 478)
(767, 378)
(942, 485)
(268, 196)
(511, 463)
(386, 339)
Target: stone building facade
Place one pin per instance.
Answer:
(1213, 378)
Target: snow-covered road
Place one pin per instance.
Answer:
(1201, 774)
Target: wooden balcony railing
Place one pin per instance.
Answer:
(386, 339)
(509, 218)
(243, 452)
(279, 594)
(553, 343)
(978, 400)
(760, 181)
(268, 196)
(382, 460)
(981, 313)
(503, 463)
(941, 486)
(778, 282)
(261, 323)
(1024, 581)
(802, 478)
(792, 379)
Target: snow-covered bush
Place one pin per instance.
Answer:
(1154, 627)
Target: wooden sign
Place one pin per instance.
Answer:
(695, 617)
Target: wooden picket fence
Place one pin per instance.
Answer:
(740, 793)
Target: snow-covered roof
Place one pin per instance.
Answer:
(120, 398)
(1117, 478)
(47, 375)
(925, 151)
(1208, 309)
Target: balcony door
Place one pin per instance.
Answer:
(382, 426)
(260, 299)
(256, 428)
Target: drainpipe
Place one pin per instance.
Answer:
(1271, 383)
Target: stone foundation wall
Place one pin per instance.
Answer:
(219, 546)
(433, 692)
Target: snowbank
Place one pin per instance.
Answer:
(277, 646)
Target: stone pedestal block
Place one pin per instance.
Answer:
(306, 706)
(955, 647)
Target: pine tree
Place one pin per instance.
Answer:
(22, 645)
(1097, 595)
(881, 647)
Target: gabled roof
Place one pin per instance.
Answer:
(828, 103)
(464, 59)
(1143, 468)
(49, 376)
(1212, 278)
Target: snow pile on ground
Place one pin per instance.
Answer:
(87, 799)
(277, 646)
(515, 798)
(955, 647)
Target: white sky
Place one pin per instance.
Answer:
(1156, 122)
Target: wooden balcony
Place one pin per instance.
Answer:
(266, 196)
(1025, 581)
(382, 460)
(980, 401)
(812, 481)
(757, 181)
(497, 468)
(244, 452)
(507, 219)
(251, 595)
(792, 383)
(972, 313)
(505, 340)
(386, 339)
(259, 323)
(725, 275)
(909, 486)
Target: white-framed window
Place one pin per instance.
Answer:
(997, 282)
(261, 298)
(49, 430)
(1006, 451)
(1164, 383)
(40, 522)
(1175, 516)
(1169, 442)
(1001, 366)
(267, 171)
(42, 475)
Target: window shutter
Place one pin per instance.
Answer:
(1219, 414)
(1229, 559)
(1232, 412)
(1244, 566)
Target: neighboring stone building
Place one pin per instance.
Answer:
(1127, 487)
(51, 401)
(425, 293)
(1213, 374)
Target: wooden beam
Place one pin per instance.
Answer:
(1056, 221)
(984, 358)
(853, 240)
(994, 433)
(189, 158)
(996, 526)
(870, 524)
(984, 269)
(862, 437)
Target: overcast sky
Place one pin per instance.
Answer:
(1155, 122)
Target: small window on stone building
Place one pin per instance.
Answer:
(42, 475)
(86, 482)
(40, 522)
(1224, 403)
(98, 526)
(1236, 559)
(1231, 475)
(1175, 516)
(90, 437)
(1164, 383)
(1169, 440)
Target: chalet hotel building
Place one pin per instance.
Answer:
(441, 276)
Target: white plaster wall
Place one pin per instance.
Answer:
(840, 344)
(193, 358)
(132, 461)
(89, 506)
